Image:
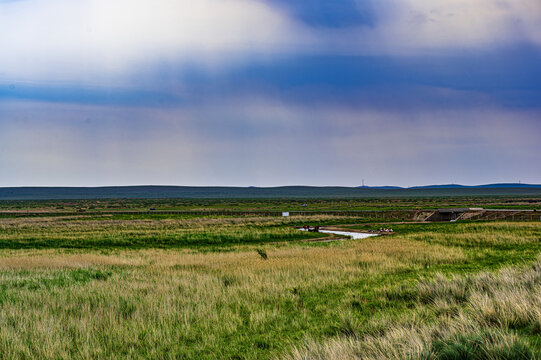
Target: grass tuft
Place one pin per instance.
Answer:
(263, 254)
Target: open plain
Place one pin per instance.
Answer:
(99, 284)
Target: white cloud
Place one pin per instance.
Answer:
(66, 38)
(102, 40)
(410, 26)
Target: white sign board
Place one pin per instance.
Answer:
(285, 214)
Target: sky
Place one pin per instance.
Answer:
(269, 92)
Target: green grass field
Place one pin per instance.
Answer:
(203, 287)
(403, 203)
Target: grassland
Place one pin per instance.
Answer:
(153, 232)
(164, 287)
(283, 192)
(414, 203)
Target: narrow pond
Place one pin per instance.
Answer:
(353, 235)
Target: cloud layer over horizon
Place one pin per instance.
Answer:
(246, 92)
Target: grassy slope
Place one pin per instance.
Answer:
(485, 316)
(106, 302)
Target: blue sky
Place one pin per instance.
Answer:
(275, 92)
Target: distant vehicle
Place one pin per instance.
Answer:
(152, 209)
(304, 205)
(310, 228)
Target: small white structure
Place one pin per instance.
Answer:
(285, 214)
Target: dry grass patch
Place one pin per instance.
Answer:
(482, 234)
(183, 303)
(491, 304)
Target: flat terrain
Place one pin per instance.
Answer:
(303, 204)
(113, 286)
(282, 192)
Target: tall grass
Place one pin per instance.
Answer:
(62, 232)
(474, 316)
(114, 302)
(187, 304)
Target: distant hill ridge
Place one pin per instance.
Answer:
(458, 186)
(487, 186)
(224, 192)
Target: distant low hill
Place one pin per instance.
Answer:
(190, 192)
(458, 186)
(487, 186)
